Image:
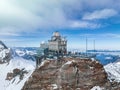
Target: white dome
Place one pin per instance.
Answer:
(56, 34)
(43, 42)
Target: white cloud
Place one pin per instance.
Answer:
(111, 35)
(8, 34)
(18, 16)
(15, 16)
(9, 31)
(100, 14)
(29, 15)
(101, 36)
(84, 24)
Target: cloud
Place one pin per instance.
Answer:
(101, 36)
(84, 24)
(31, 18)
(8, 31)
(100, 14)
(8, 34)
(17, 17)
(34, 14)
(29, 15)
(111, 35)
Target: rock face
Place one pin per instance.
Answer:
(5, 53)
(69, 74)
(16, 72)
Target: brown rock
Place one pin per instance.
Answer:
(16, 71)
(78, 74)
(9, 76)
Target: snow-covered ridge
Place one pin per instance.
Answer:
(15, 83)
(9, 79)
(113, 71)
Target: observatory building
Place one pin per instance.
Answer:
(57, 44)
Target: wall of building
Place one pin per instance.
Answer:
(53, 45)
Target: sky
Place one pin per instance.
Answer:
(27, 23)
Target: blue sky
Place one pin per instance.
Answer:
(29, 22)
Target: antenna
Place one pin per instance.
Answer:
(94, 45)
(86, 45)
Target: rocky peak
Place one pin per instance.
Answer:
(68, 74)
(5, 53)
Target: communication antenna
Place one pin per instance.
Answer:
(86, 45)
(94, 45)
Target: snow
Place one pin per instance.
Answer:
(19, 52)
(67, 63)
(23, 52)
(96, 88)
(43, 63)
(108, 58)
(93, 59)
(113, 71)
(30, 52)
(3, 53)
(15, 63)
(54, 86)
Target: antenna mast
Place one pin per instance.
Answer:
(86, 45)
(94, 45)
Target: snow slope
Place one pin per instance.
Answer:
(96, 88)
(113, 71)
(14, 84)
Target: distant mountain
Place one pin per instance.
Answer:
(103, 50)
(24, 52)
(106, 58)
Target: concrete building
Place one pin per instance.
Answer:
(57, 43)
(56, 46)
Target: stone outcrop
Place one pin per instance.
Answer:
(16, 72)
(69, 74)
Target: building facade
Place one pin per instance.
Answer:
(57, 43)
